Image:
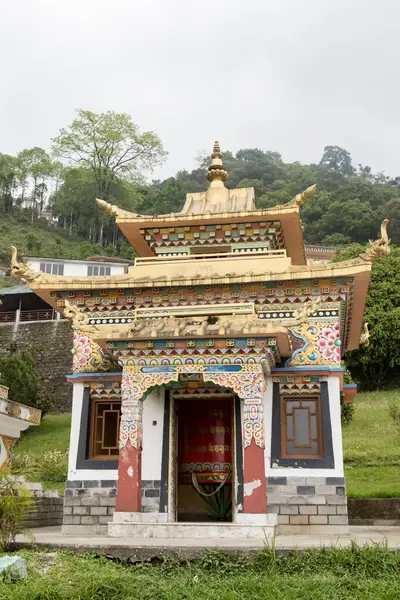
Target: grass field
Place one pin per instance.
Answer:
(371, 445)
(338, 574)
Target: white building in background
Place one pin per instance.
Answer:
(94, 266)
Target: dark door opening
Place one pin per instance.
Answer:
(205, 459)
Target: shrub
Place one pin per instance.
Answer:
(18, 372)
(347, 378)
(16, 502)
(394, 412)
(347, 413)
(52, 466)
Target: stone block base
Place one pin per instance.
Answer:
(313, 530)
(305, 503)
(89, 505)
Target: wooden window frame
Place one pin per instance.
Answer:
(92, 431)
(284, 440)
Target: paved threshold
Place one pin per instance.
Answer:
(135, 549)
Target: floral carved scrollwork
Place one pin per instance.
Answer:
(250, 386)
(134, 385)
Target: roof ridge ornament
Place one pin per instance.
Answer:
(114, 211)
(216, 172)
(21, 269)
(79, 319)
(303, 197)
(364, 337)
(378, 248)
(109, 209)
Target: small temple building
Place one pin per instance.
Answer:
(207, 380)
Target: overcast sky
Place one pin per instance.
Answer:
(285, 75)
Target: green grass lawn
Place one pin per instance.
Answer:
(371, 445)
(52, 434)
(371, 439)
(338, 574)
(40, 442)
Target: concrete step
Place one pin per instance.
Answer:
(190, 530)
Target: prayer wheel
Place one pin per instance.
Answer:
(205, 440)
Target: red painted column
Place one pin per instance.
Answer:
(129, 485)
(255, 488)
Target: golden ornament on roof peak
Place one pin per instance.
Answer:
(216, 171)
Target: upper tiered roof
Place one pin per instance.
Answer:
(217, 220)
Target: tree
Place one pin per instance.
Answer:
(36, 163)
(8, 181)
(378, 363)
(18, 372)
(337, 159)
(111, 146)
(165, 197)
(353, 218)
(73, 204)
(393, 214)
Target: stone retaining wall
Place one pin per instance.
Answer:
(50, 342)
(308, 504)
(47, 512)
(89, 505)
(374, 511)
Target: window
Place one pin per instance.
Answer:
(301, 432)
(104, 429)
(52, 268)
(98, 271)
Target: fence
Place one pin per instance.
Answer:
(28, 315)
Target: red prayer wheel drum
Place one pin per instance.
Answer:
(205, 440)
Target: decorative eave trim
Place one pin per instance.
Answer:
(78, 377)
(124, 216)
(60, 283)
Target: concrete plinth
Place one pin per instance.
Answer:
(132, 525)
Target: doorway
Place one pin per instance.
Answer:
(205, 458)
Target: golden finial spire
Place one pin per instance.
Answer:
(216, 171)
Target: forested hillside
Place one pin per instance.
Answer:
(105, 155)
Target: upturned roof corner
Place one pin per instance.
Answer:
(115, 211)
(303, 197)
(380, 247)
(21, 269)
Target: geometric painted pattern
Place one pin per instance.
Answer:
(239, 236)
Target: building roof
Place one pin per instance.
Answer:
(216, 206)
(18, 289)
(111, 260)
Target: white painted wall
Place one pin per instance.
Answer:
(334, 407)
(75, 474)
(79, 268)
(153, 411)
